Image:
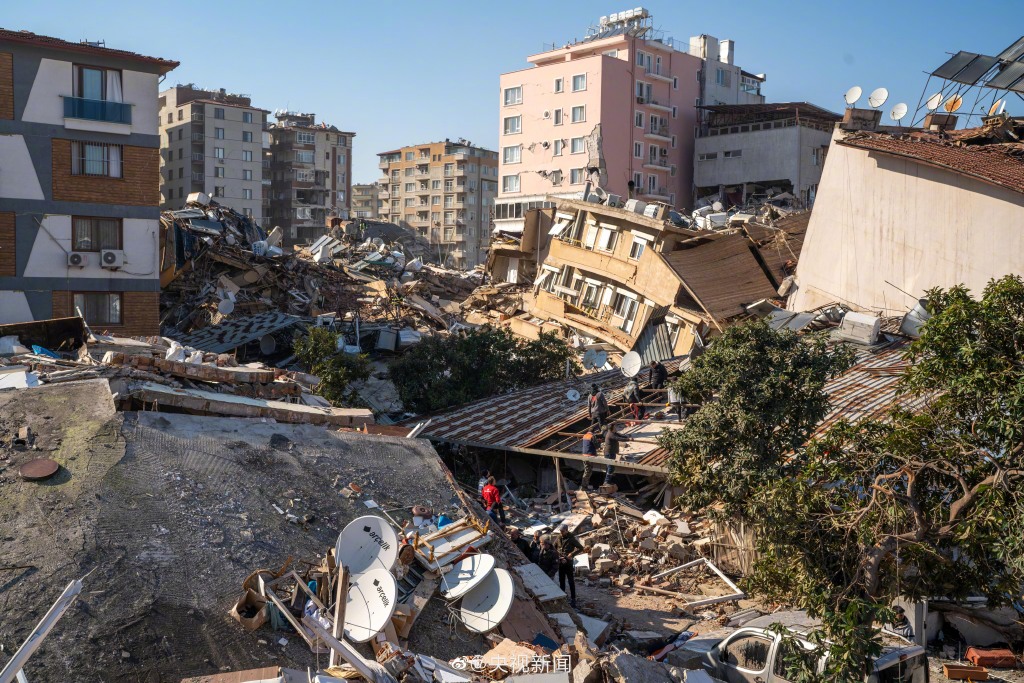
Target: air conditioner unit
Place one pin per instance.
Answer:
(635, 205)
(664, 152)
(614, 200)
(77, 259)
(112, 258)
(859, 328)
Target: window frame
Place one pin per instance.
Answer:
(582, 108)
(577, 176)
(636, 249)
(505, 94)
(505, 125)
(79, 158)
(559, 147)
(559, 85)
(573, 84)
(85, 308)
(518, 154)
(218, 113)
(504, 185)
(99, 247)
(572, 145)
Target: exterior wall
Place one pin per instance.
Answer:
(767, 155)
(881, 218)
(365, 200)
(39, 195)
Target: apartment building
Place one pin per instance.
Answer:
(366, 201)
(618, 108)
(211, 141)
(445, 191)
(310, 175)
(79, 183)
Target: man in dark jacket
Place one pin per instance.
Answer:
(517, 537)
(597, 406)
(658, 377)
(548, 558)
(612, 438)
(568, 547)
(535, 546)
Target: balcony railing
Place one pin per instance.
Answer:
(97, 110)
(197, 117)
(198, 177)
(198, 137)
(197, 156)
(660, 162)
(658, 130)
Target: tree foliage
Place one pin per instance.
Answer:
(441, 372)
(922, 503)
(318, 351)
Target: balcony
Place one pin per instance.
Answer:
(197, 157)
(97, 110)
(198, 177)
(198, 117)
(657, 193)
(383, 165)
(659, 164)
(460, 170)
(198, 137)
(654, 104)
(659, 133)
(385, 194)
(657, 75)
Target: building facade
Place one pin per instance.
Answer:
(79, 183)
(445, 191)
(211, 141)
(624, 102)
(310, 175)
(746, 153)
(366, 201)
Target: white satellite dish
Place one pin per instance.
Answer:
(631, 364)
(487, 605)
(996, 108)
(717, 206)
(572, 395)
(953, 103)
(226, 306)
(367, 542)
(372, 597)
(898, 112)
(600, 358)
(852, 95)
(465, 575)
(590, 359)
(933, 102)
(878, 97)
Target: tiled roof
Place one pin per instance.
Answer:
(722, 275)
(7, 35)
(999, 164)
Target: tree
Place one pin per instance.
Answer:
(318, 351)
(441, 372)
(924, 503)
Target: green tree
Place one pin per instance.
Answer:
(919, 504)
(441, 372)
(318, 351)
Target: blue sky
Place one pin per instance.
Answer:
(402, 73)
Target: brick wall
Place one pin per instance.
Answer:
(8, 265)
(140, 313)
(6, 85)
(140, 185)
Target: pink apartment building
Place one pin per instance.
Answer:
(623, 101)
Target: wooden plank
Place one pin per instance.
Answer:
(538, 583)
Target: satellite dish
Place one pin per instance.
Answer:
(995, 107)
(852, 95)
(953, 103)
(366, 542)
(898, 112)
(465, 575)
(226, 306)
(372, 597)
(933, 102)
(631, 364)
(878, 97)
(590, 359)
(487, 605)
(600, 358)
(267, 344)
(572, 395)
(717, 206)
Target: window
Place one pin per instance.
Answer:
(218, 191)
(675, 83)
(783, 670)
(513, 125)
(559, 85)
(304, 156)
(510, 183)
(170, 117)
(246, 117)
(247, 155)
(94, 234)
(218, 133)
(246, 193)
(637, 248)
(305, 138)
(449, 185)
(673, 142)
(748, 652)
(95, 83)
(435, 200)
(218, 152)
(639, 58)
(707, 156)
(409, 172)
(181, 173)
(247, 174)
(579, 82)
(218, 113)
(246, 136)
(577, 176)
(409, 187)
(218, 172)
(579, 114)
(723, 77)
(179, 134)
(732, 154)
(96, 158)
(512, 155)
(652, 184)
(555, 177)
(607, 238)
(576, 146)
(409, 156)
(638, 150)
(624, 306)
(435, 184)
(673, 112)
(638, 119)
(181, 154)
(559, 145)
(513, 95)
(99, 308)
(558, 117)
(638, 180)
(816, 156)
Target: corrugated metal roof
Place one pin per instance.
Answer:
(237, 332)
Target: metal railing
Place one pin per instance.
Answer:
(97, 110)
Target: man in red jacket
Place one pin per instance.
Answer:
(492, 499)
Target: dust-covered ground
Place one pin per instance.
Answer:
(165, 515)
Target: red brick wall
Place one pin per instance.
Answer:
(140, 313)
(6, 85)
(7, 252)
(140, 185)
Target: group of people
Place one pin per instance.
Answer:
(553, 553)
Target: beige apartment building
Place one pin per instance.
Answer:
(310, 175)
(445, 191)
(211, 141)
(366, 200)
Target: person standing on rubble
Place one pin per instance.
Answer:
(631, 395)
(568, 547)
(612, 438)
(547, 560)
(658, 376)
(517, 537)
(588, 447)
(492, 497)
(535, 547)
(598, 406)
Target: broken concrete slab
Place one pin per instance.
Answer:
(623, 667)
(540, 585)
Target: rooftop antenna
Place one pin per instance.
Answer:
(573, 395)
(372, 597)
(933, 102)
(953, 104)
(878, 97)
(631, 364)
(898, 112)
(852, 95)
(367, 542)
(465, 575)
(997, 108)
(487, 605)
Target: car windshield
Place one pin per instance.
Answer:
(901, 671)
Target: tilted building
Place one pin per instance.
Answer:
(366, 201)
